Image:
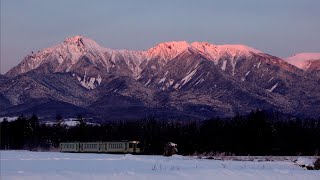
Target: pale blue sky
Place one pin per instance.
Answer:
(278, 27)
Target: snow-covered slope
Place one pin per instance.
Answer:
(303, 60)
(65, 166)
(65, 55)
(77, 52)
(169, 50)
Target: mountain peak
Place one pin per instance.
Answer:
(239, 47)
(175, 44)
(74, 39)
(305, 56)
(81, 42)
(168, 50)
(302, 60)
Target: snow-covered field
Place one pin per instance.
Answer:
(54, 165)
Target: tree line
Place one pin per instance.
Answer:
(259, 133)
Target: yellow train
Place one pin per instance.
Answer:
(101, 147)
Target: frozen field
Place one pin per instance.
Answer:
(54, 165)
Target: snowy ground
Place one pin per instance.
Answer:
(54, 165)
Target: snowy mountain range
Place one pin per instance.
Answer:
(177, 80)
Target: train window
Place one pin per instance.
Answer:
(130, 145)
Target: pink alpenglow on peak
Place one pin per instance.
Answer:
(302, 60)
(239, 47)
(168, 50)
(225, 47)
(214, 52)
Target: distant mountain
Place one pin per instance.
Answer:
(178, 80)
(309, 62)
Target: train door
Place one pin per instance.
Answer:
(77, 147)
(81, 147)
(134, 147)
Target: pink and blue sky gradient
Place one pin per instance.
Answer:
(278, 27)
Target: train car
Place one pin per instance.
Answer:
(123, 147)
(91, 147)
(70, 147)
(134, 147)
(101, 147)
